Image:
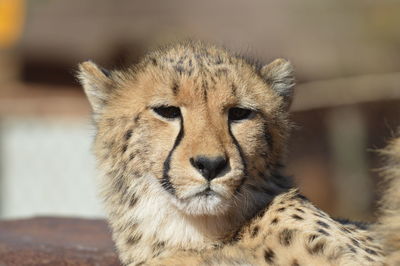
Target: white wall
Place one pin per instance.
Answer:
(46, 168)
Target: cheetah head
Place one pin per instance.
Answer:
(191, 122)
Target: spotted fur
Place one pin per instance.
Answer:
(164, 208)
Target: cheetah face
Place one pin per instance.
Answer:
(202, 127)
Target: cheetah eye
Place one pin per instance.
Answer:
(236, 114)
(170, 112)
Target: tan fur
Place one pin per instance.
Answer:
(162, 210)
(388, 227)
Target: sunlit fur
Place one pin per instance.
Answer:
(133, 142)
(160, 208)
(388, 228)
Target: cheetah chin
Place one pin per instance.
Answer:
(204, 202)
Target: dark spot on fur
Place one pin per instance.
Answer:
(275, 221)
(368, 258)
(319, 215)
(179, 69)
(233, 89)
(153, 61)
(359, 225)
(318, 248)
(132, 240)
(128, 134)
(158, 248)
(355, 242)
(255, 231)
(312, 237)
(322, 231)
(136, 119)
(297, 217)
(295, 263)
(286, 236)
(345, 229)
(218, 61)
(269, 255)
(371, 251)
(175, 88)
(133, 201)
(323, 224)
(281, 209)
(124, 148)
(131, 156)
(351, 248)
(119, 184)
(106, 72)
(300, 197)
(299, 210)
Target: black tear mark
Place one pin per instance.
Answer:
(165, 181)
(241, 154)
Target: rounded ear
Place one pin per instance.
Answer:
(97, 84)
(280, 77)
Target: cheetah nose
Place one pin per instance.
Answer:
(209, 167)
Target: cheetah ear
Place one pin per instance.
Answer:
(97, 83)
(279, 75)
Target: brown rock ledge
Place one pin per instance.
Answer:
(56, 241)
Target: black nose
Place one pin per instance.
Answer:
(209, 167)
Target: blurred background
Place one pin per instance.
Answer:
(347, 60)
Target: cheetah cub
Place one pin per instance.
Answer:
(191, 142)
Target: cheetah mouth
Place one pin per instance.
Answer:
(208, 192)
